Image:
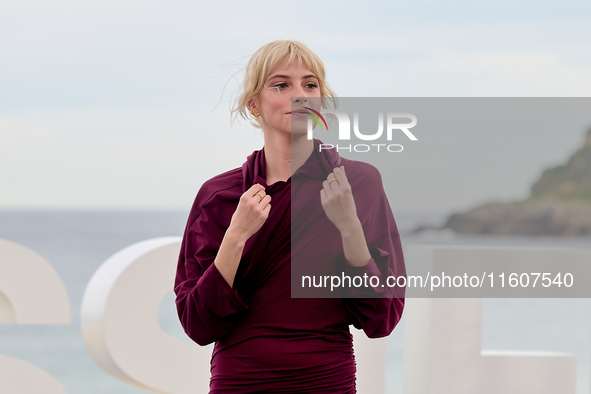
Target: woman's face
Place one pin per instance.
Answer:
(287, 89)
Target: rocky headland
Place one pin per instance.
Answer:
(559, 205)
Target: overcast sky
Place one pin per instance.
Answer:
(125, 104)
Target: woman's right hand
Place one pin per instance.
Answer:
(251, 213)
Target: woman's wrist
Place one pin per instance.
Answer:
(351, 230)
(236, 237)
(229, 254)
(354, 245)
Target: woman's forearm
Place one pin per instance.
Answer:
(229, 254)
(252, 211)
(354, 245)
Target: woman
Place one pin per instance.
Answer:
(234, 274)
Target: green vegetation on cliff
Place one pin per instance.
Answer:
(568, 182)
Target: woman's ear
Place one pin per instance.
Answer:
(251, 106)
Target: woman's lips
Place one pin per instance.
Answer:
(302, 113)
(299, 114)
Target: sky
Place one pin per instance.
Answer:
(125, 104)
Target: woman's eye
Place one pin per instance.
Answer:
(281, 85)
(311, 86)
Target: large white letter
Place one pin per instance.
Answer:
(120, 321)
(31, 292)
(443, 342)
(370, 357)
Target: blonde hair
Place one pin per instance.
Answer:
(263, 61)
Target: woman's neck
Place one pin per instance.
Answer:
(283, 156)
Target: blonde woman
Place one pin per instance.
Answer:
(234, 273)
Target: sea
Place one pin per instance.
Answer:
(76, 243)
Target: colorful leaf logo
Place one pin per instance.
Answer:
(315, 115)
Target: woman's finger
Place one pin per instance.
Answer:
(323, 196)
(327, 188)
(339, 174)
(332, 180)
(254, 189)
(261, 195)
(265, 201)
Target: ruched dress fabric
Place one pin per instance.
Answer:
(265, 340)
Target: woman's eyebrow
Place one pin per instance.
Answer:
(288, 77)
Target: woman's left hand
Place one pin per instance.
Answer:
(337, 200)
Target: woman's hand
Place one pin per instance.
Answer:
(337, 200)
(252, 211)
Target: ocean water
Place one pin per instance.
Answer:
(77, 243)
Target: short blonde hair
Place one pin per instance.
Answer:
(263, 61)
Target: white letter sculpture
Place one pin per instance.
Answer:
(120, 321)
(443, 340)
(31, 292)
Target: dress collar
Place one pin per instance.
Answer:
(318, 166)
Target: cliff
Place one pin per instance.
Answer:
(569, 182)
(559, 204)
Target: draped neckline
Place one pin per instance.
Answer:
(317, 166)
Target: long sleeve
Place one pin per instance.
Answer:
(376, 309)
(208, 307)
(378, 315)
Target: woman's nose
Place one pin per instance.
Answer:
(299, 94)
(298, 100)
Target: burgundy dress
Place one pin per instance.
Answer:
(265, 340)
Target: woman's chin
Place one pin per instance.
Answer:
(298, 132)
(299, 126)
